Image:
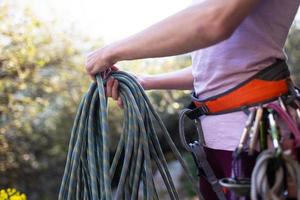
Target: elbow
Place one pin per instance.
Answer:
(213, 32)
(216, 27)
(219, 31)
(224, 31)
(215, 23)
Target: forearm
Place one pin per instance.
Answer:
(196, 27)
(179, 80)
(177, 34)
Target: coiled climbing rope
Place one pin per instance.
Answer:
(89, 171)
(275, 163)
(260, 186)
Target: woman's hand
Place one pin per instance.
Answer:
(112, 87)
(99, 60)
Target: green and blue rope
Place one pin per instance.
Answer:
(88, 172)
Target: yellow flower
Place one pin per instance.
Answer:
(11, 194)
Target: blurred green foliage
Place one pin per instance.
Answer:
(42, 79)
(38, 97)
(292, 48)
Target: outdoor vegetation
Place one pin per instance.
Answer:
(42, 79)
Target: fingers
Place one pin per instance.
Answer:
(94, 69)
(98, 61)
(120, 102)
(112, 90)
(115, 90)
(109, 85)
(92, 77)
(90, 62)
(114, 68)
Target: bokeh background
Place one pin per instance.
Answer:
(43, 45)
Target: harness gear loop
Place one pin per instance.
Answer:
(290, 123)
(238, 183)
(196, 148)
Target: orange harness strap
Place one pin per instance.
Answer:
(257, 90)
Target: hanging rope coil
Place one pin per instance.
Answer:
(260, 186)
(273, 168)
(89, 172)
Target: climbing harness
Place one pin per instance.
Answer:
(254, 97)
(265, 86)
(89, 169)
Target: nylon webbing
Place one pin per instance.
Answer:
(89, 170)
(198, 152)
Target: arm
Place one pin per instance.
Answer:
(178, 80)
(195, 27)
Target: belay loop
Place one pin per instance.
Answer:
(89, 171)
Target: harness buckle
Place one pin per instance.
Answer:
(197, 112)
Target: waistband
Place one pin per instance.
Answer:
(265, 86)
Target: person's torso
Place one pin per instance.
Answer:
(254, 45)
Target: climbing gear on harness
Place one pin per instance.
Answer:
(198, 153)
(265, 86)
(263, 130)
(290, 123)
(270, 84)
(89, 171)
(246, 132)
(238, 184)
(275, 171)
(240, 187)
(272, 186)
(254, 130)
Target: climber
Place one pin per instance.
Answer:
(230, 41)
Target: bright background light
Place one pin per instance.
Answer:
(109, 19)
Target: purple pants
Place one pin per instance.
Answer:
(220, 161)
